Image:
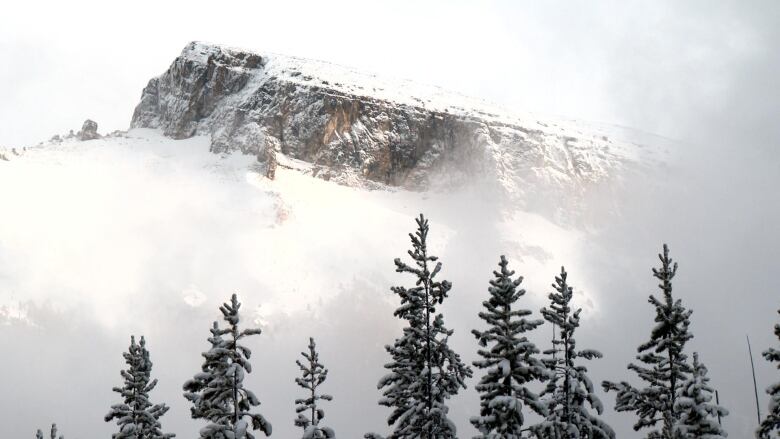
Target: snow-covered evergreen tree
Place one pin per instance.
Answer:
(53, 433)
(314, 374)
(772, 421)
(424, 370)
(697, 411)
(569, 392)
(136, 416)
(664, 364)
(510, 359)
(217, 393)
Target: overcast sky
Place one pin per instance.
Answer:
(703, 72)
(682, 69)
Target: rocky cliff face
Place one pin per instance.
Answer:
(358, 129)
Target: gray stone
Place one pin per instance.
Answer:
(88, 130)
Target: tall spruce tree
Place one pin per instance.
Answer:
(772, 421)
(313, 375)
(217, 393)
(424, 370)
(569, 392)
(510, 359)
(664, 363)
(698, 413)
(52, 433)
(136, 416)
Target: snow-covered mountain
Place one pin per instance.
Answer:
(148, 231)
(359, 129)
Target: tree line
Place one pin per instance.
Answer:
(671, 397)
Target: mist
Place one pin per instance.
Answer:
(100, 243)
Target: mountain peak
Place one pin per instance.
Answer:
(201, 52)
(360, 129)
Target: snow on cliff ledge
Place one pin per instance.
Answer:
(358, 129)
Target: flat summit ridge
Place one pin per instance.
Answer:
(359, 129)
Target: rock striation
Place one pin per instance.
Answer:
(359, 129)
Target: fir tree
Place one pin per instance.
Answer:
(772, 421)
(569, 392)
(217, 393)
(510, 359)
(665, 365)
(424, 370)
(53, 433)
(698, 414)
(314, 374)
(136, 416)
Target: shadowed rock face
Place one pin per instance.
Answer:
(356, 129)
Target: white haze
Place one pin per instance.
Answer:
(147, 237)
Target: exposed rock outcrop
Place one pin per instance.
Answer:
(88, 131)
(357, 129)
